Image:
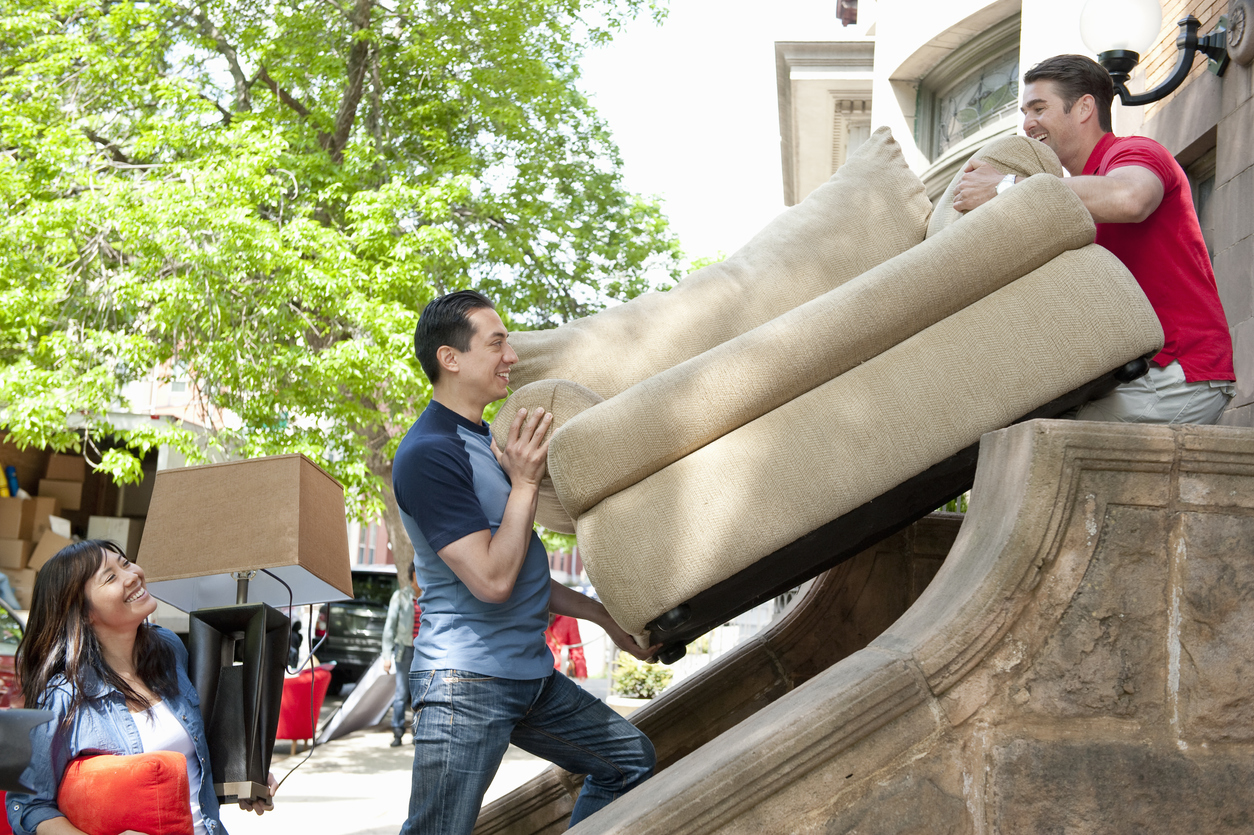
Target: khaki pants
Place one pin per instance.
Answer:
(1160, 396)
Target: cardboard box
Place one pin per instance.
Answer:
(23, 583)
(14, 553)
(125, 532)
(12, 513)
(43, 508)
(26, 518)
(136, 498)
(66, 468)
(49, 544)
(68, 493)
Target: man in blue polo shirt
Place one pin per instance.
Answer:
(483, 675)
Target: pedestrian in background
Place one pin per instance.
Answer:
(563, 633)
(399, 631)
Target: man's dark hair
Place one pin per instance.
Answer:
(410, 571)
(1075, 76)
(446, 321)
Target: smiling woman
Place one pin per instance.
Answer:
(115, 684)
(117, 602)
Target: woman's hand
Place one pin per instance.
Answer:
(260, 806)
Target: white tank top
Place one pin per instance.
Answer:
(160, 730)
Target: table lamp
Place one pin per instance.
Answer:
(228, 543)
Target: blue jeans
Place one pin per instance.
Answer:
(400, 701)
(463, 723)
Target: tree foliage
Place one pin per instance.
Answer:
(265, 195)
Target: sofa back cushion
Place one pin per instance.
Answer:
(873, 208)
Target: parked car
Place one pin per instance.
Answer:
(351, 631)
(10, 635)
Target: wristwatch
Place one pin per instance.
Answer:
(1006, 182)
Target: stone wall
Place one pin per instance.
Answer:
(1082, 663)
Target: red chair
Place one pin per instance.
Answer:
(302, 700)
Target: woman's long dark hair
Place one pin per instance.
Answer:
(59, 638)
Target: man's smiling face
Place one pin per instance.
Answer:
(485, 365)
(1045, 118)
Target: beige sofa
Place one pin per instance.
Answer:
(708, 438)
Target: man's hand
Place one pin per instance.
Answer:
(977, 186)
(525, 457)
(387, 665)
(566, 601)
(628, 644)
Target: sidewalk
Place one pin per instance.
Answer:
(357, 785)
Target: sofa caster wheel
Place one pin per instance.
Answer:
(672, 620)
(671, 654)
(1132, 370)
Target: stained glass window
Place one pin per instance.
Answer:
(980, 99)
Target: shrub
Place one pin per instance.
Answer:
(638, 680)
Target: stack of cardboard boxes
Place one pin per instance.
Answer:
(33, 530)
(27, 539)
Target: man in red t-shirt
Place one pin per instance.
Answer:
(1140, 199)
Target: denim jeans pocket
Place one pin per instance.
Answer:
(464, 677)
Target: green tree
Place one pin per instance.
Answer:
(266, 195)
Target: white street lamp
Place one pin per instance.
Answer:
(1121, 31)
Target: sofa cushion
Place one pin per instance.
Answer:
(108, 793)
(872, 208)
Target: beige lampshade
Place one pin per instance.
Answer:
(282, 513)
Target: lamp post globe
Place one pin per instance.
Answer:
(1129, 25)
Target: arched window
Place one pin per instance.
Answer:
(974, 89)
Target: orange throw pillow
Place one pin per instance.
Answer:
(106, 794)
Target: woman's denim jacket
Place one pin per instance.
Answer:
(103, 724)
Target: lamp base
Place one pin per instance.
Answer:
(15, 728)
(237, 655)
(246, 790)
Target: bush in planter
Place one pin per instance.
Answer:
(636, 679)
